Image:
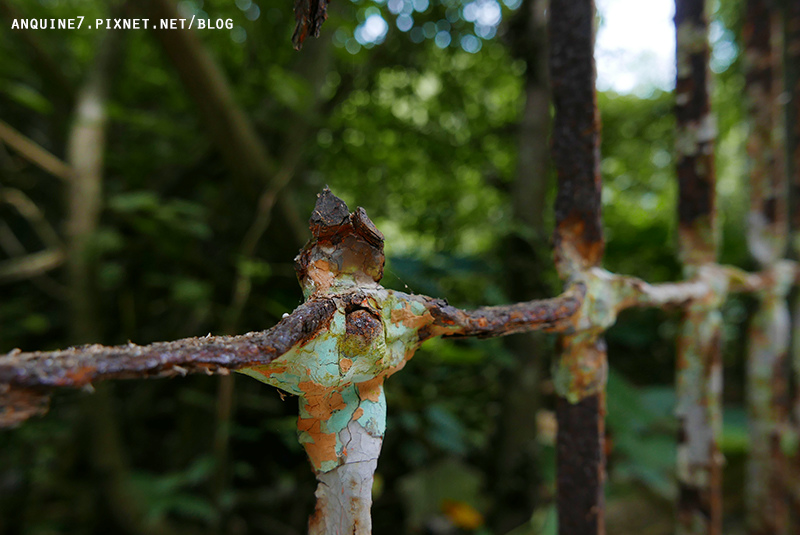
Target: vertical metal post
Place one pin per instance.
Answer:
(792, 87)
(791, 63)
(767, 237)
(699, 359)
(580, 375)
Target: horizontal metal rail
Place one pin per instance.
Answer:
(337, 348)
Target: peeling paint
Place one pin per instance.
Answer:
(582, 369)
(768, 406)
(699, 353)
(767, 238)
(338, 372)
(767, 220)
(694, 136)
(699, 413)
(336, 350)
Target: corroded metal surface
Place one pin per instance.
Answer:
(792, 78)
(767, 399)
(699, 357)
(338, 373)
(309, 16)
(580, 461)
(767, 403)
(767, 217)
(576, 136)
(695, 133)
(336, 350)
(581, 370)
(79, 366)
(699, 412)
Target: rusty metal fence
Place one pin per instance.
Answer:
(336, 349)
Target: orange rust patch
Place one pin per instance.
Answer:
(269, 370)
(320, 272)
(336, 401)
(317, 519)
(576, 244)
(370, 390)
(323, 447)
(437, 330)
(359, 412)
(312, 425)
(409, 319)
(82, 376)
(345, 364)
(320, 404)
(321, 401)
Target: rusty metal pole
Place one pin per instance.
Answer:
(767, 238)
(699, 359)
(791, 32)
(580, 374)
(792, 78)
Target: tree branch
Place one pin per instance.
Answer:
(34, 216)
(33, 152)
(30, 265)
(205, 82)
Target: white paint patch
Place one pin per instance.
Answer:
(344, 495)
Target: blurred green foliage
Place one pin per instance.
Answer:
(418, 124)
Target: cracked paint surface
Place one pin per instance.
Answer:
(767, 405)
(767, 239)
(699, 412)
(338, 375)
(699, 355)
(338, 372)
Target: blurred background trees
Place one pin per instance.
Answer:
(185, 166)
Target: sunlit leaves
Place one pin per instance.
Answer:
(462, 24)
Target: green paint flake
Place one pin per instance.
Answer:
(374, 417)
(340, 418)
(334, 363)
